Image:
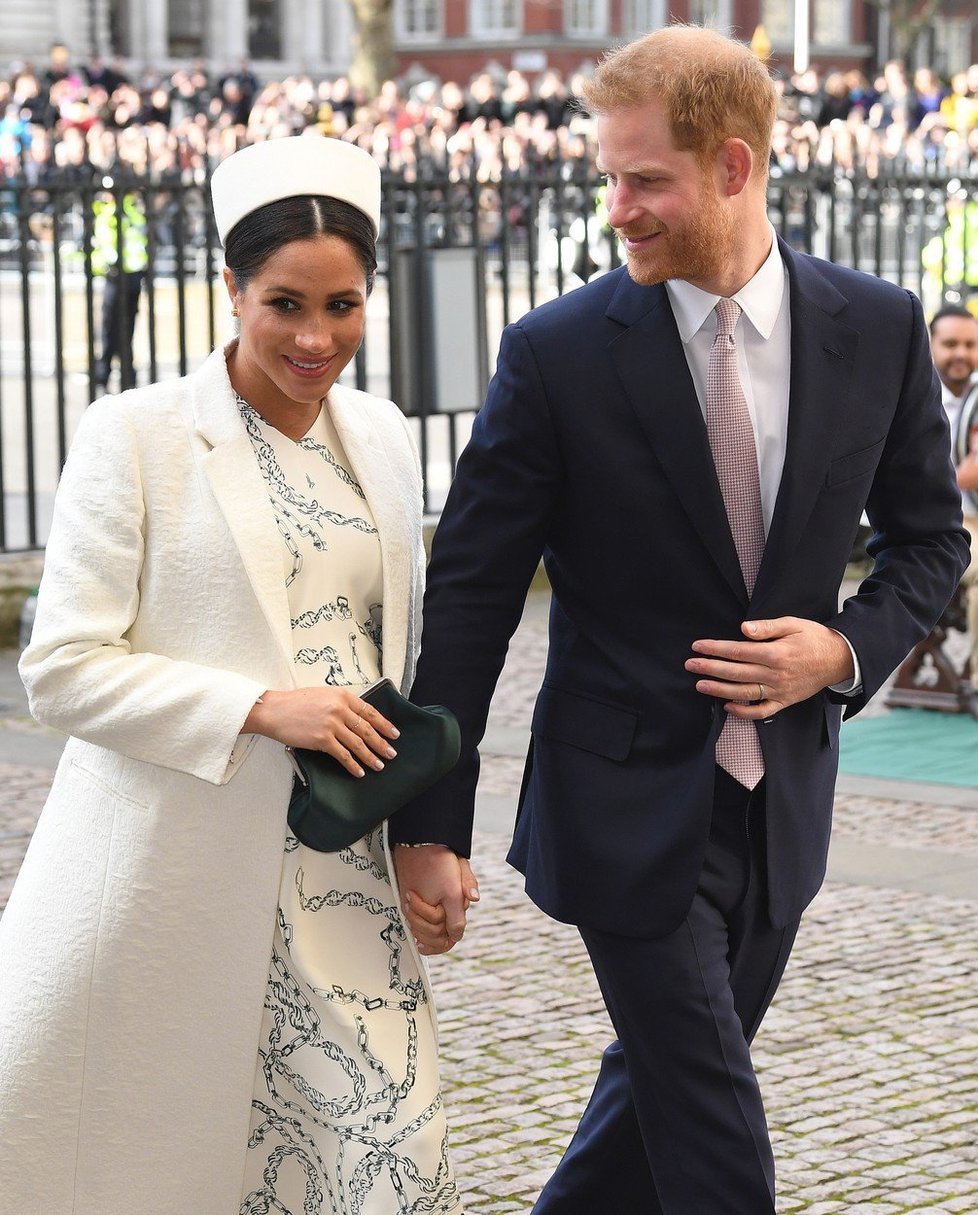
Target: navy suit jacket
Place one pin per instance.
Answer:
(591, 449)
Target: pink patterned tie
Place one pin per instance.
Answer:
(731, 435)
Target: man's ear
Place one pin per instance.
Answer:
(735, 165)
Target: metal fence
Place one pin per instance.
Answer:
(458, 260)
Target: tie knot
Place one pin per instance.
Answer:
(728, 314)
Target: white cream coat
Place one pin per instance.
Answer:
(135, 947)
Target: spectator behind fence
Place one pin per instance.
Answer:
(960, 107)
(692, 474)
(120, 260)
(107, 76)
(954, 346)
(233, 558)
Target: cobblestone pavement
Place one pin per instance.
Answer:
(868, 1058)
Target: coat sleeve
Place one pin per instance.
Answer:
(81, 674)
(487, 547)
(418, 565)
(919, 547)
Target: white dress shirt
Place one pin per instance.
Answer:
(952, 407)
(954, 404)
(763, 339)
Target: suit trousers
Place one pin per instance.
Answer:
(120, 303)
(675, 1125)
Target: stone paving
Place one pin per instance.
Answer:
(868, 1058)
(22, 793)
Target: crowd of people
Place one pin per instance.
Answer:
(845, 121)
(76, 123)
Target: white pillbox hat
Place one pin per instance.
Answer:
(283, 168)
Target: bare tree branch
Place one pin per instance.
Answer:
(908, 19)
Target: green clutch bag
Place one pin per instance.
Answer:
(330, 808)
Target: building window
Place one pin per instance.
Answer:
(185, 28)
(120, 28)
(640, 16)
(831, 23)
(418, 20)
(496, 18)
(952, 44)
(264, 29)
(777, 17)
(712, 13)
(585, 18)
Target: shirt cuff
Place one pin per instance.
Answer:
(854, 686)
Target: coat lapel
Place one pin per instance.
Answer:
(823, 350)
(652, 365)
(242, 495)
(385, 472)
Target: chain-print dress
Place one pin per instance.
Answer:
(347, 1117)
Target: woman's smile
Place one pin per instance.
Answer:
(309, 370)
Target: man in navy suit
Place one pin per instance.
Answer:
(606, 445)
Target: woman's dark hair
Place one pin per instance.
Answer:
(264, 231)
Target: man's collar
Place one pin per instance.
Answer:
(760, 298)
(951, 398)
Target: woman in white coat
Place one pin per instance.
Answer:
(197, 1013)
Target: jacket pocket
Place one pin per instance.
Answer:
(856, 464)
(105, 785)
(580, 721)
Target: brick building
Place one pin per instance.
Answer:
(455, 38)
(450, 39)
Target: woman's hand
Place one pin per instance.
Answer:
(334, 720)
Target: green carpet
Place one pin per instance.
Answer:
(912, 744)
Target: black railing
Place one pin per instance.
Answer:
(459, 258)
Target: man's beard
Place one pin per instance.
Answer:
(958, 377)
(696, 253)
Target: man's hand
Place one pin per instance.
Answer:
(437, 889)
(784, 662)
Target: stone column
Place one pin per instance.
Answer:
(136, 24)
(100, 32)
(311, 55)
(154, 44)
(295, 52)
(338, 37)
(228, 32)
